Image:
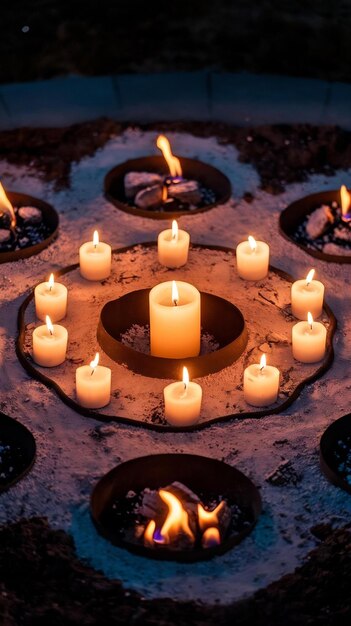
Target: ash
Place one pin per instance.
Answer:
(70, 461)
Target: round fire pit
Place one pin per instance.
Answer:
(335, 452)
(220, 320)
(17, 451)
(34, 237)
(207, 176)
(292, 225)
(115, 496)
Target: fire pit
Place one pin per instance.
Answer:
(17, 451)
(335, 452)
(320, 224)
(164, 187)
(124, 499)
(27, 225)
(221, 321)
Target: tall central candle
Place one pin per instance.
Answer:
(175, 320)
(307, 295)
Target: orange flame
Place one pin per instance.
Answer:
(208, 518)
(173, 163)
(309, 277)
(6, 206)
(94, 363)
(175, 293)
(211, 538)
(345, 200)
(149, 533)
(176, 522)
(175, 231)
(263, 362)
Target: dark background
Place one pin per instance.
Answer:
(45, 38)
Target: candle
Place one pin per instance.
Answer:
(50, 299)
(307, 295)
(175, 320)
(49, 344)
(173, 246)
(261, 383)
(95, 259)
(182, 401)
(309, 340)
(252, 258)
(93, 384)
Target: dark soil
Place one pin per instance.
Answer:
(45, 38)
(43, 583)
(282, 154)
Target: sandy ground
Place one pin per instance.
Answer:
(70, 460)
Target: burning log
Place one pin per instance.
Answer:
(319, 221)
(186, 191)
(149, 197)
(30, 215)
(136, 181)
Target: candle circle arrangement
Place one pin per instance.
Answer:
(320, 224)
(335, 452)
(122, 329)
(161, 506)
(18, 451)
(50, 299)
(164, 187)
(27, 225)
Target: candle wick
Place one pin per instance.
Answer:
(92, 371)
(51, 333)
(175, 302)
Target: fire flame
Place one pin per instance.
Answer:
(175, 231)
(164, 193)
(310, 319)
(309, 277)
(263, 362)
(175, 293)
(211, 538)
(95, 238)
(252, 243)
(93, 364)
(208, 518)
(6, 206)
(173, 163)
(345, 200)
(149, 532)
(177, 520)
(51, 282)
(49, 325)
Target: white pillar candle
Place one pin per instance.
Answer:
(50, 299)
(182, 401)
(93, 385)
(261, 383)
(309, 341)
(252, 258)
(307, 295)
(173, 246)
(175, 320)
(95, 259)
(49, 344)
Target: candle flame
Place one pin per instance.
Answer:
(310, 319)
(49, 325)
(173, 163)
(309, 277)
(95, 238)
(175, 231)
(185, 378)
(263, 362)
(6, 206)
(211, 538)
(345, 200)
(208, 518)
(175, 293)
(252, 243)
(93, 364)
(177, 520)
(51, 281)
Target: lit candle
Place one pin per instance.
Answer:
(307, 295)
(95, 259)
(93, 384)
(173, 246)
(309, 340)
(49, 344)
(252, 258)
(175, 320)
(50, 299)
(261, 383)
(182, 401)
